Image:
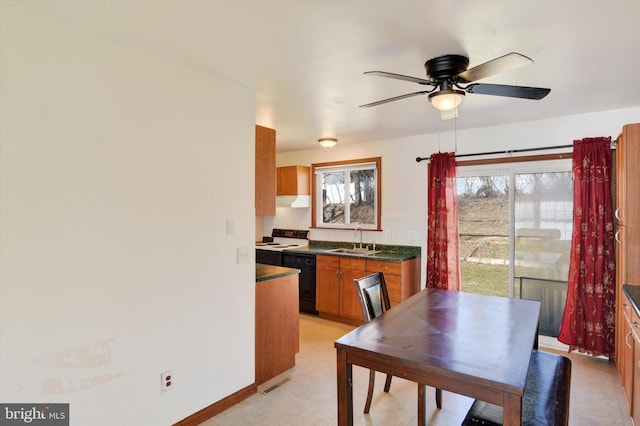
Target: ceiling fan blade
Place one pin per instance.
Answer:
(508, 62)
(397, 98)
(401, 77)
(523, 92)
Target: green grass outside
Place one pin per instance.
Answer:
(485, 279)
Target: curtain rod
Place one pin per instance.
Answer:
(508, 152)
(419, 159)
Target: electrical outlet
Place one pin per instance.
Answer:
(414, 235)
(166, 381)
(387, 235)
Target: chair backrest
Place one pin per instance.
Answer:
(373, 295)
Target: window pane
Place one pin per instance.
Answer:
(543, 226)
(483, 214)
(333, 203)
(347, 194)
(362, 197)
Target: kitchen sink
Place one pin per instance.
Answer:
(358, 251)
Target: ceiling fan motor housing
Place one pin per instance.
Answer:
(447, 66)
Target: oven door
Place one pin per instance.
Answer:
(269, 257)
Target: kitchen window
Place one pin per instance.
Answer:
(346, 194)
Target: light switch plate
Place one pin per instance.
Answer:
(243, 255)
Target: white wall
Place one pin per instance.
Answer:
(404, 191)
(117, 171)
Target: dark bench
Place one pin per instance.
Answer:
(546, 395)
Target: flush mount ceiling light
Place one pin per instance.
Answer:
(446, 100)
(328, 142)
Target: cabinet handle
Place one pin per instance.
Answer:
(626, 340)
(615, 213)
(616, 237)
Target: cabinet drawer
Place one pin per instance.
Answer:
(392, 268)
(332, 261)
(352, 264)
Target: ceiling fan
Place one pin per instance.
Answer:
(450, 80)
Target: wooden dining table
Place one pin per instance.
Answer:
(465, 343)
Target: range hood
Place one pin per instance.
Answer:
(293, 201)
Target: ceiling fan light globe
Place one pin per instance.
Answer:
(446, 100)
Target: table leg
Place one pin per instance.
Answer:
(345, 390)
(422, 405)
(512, 410)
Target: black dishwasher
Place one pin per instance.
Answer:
(306, 262)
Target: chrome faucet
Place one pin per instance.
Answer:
(359, 228)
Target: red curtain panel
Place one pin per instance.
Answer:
(588, 324)
(443, 263)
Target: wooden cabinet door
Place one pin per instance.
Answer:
(635, 374)
(621, 181)
(294, 180)
(265, 171)
(628, 201)
(287, 180)
(351, 268)
(623, 306)
(624, 312)
(327, 284)
(627, 360)
(349, 301)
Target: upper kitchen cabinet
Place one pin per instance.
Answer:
(294, 180)
(265, 187)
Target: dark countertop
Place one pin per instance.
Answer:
(268, 272)
(389, 256)
(386, 253)
(633, 293)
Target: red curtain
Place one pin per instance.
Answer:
(443, 264)
(588, 324)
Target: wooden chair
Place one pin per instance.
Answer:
(374, 301)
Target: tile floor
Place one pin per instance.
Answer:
(308, 395)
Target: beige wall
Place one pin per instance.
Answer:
(119, 173)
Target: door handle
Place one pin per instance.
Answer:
(615, 213)
(626, 340)
(616, 236)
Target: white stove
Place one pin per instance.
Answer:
(285, 239)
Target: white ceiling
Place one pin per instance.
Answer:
(306, 58)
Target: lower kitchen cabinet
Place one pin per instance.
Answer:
(350, 269)
(635, 366)
(402, 278)
(277, 326)
(628, 358)
(627, 355)
(336, 297)
(328, 284)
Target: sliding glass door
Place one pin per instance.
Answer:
(515, 233)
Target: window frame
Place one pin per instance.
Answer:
(316, 192)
